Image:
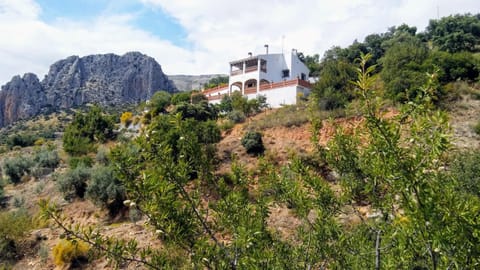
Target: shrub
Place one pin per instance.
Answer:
(70, 252)
(47, 158)
(465, 169)
(85, 130)
(178, 98)
(106, 190)
(236, 116)
(102, 155)
(476, 128)
(159, 102)
(74, 162)
(15, 168)
(74, 182)
(226, 125)
(13, 227)
(252, 141)
(126, 119)
(21, 139)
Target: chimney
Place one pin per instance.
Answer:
(249, 54)
(266, 48)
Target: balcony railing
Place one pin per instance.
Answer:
(251, 69)
(236, 72)
(250, 90)
(269, 86)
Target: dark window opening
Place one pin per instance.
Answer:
(285, 73)
(303, 76)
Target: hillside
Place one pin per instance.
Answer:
(281, 141)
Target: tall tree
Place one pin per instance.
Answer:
(455, 33)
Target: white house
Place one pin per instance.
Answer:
(282, 78)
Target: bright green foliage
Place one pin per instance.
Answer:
(455, 33)
(252, 141)
(16, 167)
(401, 168)
(73, 183)
(105, 190)
(159, 102)
(87, 129)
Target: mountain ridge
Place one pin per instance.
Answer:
(106, 79)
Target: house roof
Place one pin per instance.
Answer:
(261, 56)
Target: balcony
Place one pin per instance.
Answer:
(251, 69)
(236, 72)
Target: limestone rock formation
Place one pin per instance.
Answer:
(21, 98)
(106, 79)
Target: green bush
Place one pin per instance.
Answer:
(15, 168)
(74, 182)
(102, 155)
(236, 116)
(87, 129)
(159, 102)
(46, 158)
(74, 162)
(465, 169)
(106, 190)
(178, 98)
(13, 227)
(252, 141)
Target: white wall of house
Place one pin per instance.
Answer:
(275, 66)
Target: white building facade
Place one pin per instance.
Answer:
(282, 78)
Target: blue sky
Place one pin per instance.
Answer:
(148, 18)
(195, 36)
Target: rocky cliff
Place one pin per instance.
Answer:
(106, 79)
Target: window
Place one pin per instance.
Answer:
(303, 76)
(285, 73)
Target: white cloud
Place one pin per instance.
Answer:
(219, 31)
(27, 44)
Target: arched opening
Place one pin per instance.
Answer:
(263, 81)
(250, 86)
(236, 86)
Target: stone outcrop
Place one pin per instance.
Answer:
(21, 98)
(106, 79)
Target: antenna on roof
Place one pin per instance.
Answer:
(250, 54)
(266, 48)
(283, 41)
